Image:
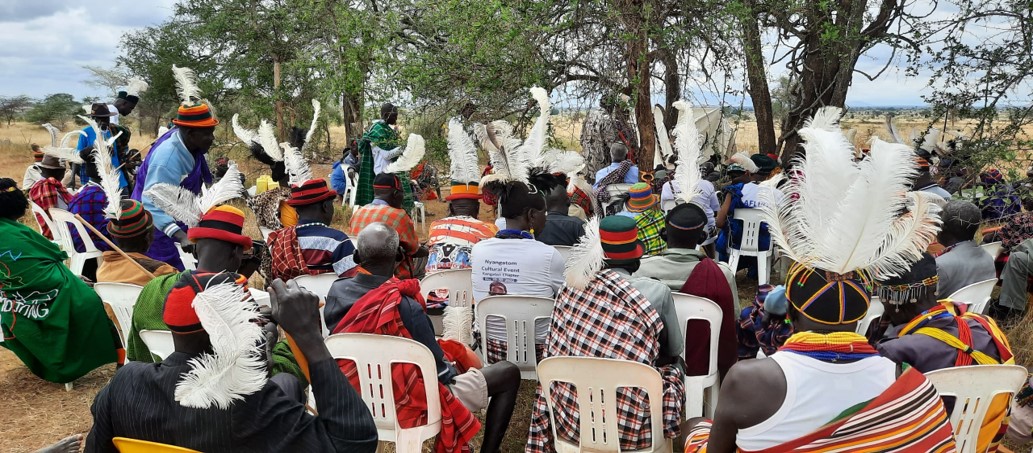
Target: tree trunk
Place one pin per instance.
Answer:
(757, 84)
(638, 69)
(351, 115)
(279, 103)
(672, 87)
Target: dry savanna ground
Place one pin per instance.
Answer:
(37, 413)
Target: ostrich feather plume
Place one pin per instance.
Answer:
(687, 145)
(826, 118)
(457, 324)
(226, 189)
(505, 138)
(415, 148)
(235, 367)
(507, 162)
(661, 132)
(533, 146)
(497, 157)
(567, 163)
(177, 202)
(842, 216)
(297, 167)
(60, 149)
(248, 136)
(186, 85)
(930, 140)
(894, 132)
(136, 86)
(109, 174)
(586, 257)
(312, 127)
(742, 159)
(462, 153)
(267, 138)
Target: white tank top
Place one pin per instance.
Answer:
(816, 392)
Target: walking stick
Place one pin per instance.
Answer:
(112, 245)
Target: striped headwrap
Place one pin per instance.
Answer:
(310, 192)
(224, 223)
(619, 237)
(134, 220)
(197, 115)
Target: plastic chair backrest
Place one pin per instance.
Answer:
(974, 388)
(121, 297)
(564, 251)
(520, 314)
(159, 342)
(617, 190)
(993, 248)
(40, 213)
(459, 283)
(751, 222)
(127, 445)
(62, 219)
(976, 295)
(689, 307)
(319, 284)
(373, 356)
(597, 381)
(875, 311)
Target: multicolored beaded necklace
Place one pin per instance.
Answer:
(835, 347)
(509, 233)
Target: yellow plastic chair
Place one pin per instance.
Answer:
(127, 445)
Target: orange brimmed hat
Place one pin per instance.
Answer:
(224, 223)
(464, 191)
(197, 115)
(619, 237)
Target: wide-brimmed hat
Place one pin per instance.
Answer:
(133, 221)
(51, 163)
(100, 110)
(197, 115)
(619, 238)
(224, 223)
(641, 197)
(310, 192)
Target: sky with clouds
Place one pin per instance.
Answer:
(46, 43)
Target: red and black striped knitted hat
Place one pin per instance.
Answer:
(134, 221)
(619, 237)
(310, 192)
(224, 223)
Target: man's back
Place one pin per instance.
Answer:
(561, 229)
(522, 267)
(451, 240)
(963, 265)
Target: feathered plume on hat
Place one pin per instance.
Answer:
(186, 86)
(567, 163)
(586, 257)
(248, 136)
(60, 149)
(415, 149)
(743, 160)
(235, 366)
(136, 87)
(929, 142)
(661, 132)
(688, 146)
(184, 206)
(109, 174)
(892, 128)
(462, 153)
(534, 146)
(312, 127)
(842, 216)
(507, 163)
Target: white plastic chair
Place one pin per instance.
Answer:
(421, 214)
(976, 295)
(121, 297)
(690, 307)
(319, 284)
(875, 311)
(373, 356)
(974, 388)
(189, 262)
(40, 213)
(62, 219)
(993, 248)
(459, 283)
(750, 245)
(159, 342)
(519, 314)
(564, 251)
(597, 381)
(261, 297)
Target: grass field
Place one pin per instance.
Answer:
(37, 413)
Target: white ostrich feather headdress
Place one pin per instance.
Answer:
(60, 148)
(687, 145)
(110, 176)
(415, 149)
(507, 163)
(743, 160)
(462, 153)
(184, 206)
(533, 147)
(136, 87)
(586, 257)
(186, 86)
(842, 216)
(235, 367)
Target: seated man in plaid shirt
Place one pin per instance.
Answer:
(386, 208)
(48, 192)
(605, 314)
(643, 207)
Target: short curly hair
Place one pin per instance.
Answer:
(13, 202)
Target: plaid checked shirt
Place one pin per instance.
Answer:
(650, 224)
(48, 193)
(379, 211)
(89, 203)
(609, 319)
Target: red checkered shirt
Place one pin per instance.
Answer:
(609, 319)
(46, 193)
(378, 211)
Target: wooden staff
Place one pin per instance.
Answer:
(112, 245)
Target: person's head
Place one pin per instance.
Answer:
(824, 301)
(378, 250)
(523, 206)
(387, 187)
(220, 240)
(468, 110)
(924, 177)
(296, 137)
(465, 207)
(910, 293)
(36, 148)
(618, 152)
(554, 186)
(313, 200)
(961, 221)
(621, 247)
(196, 126)
(464, 199)
(124, 106)
(100, 114)
(765, 165)
(133, 230)
(557, 200)
(51, 167)
(735, 171)
(640, 198)
(277, 169)
(686, 226)
(13, 202)
(222, 165)
(389, 113)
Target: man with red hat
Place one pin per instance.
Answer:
(177, 158)
(311, 247)
(32, 173)
(386, 208)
